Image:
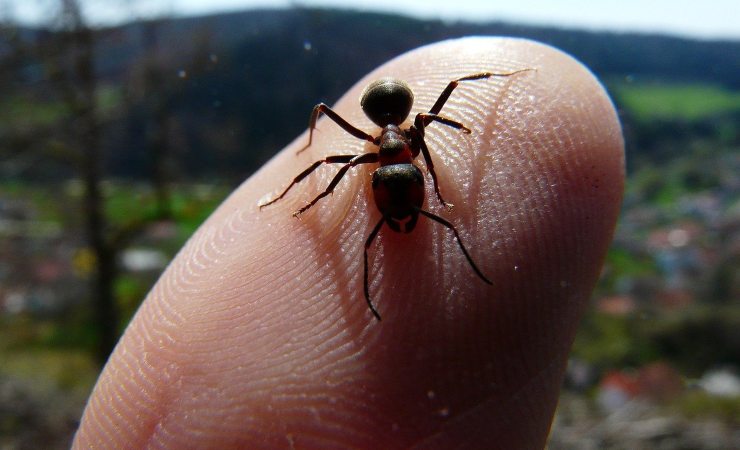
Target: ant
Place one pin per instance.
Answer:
(398, 184)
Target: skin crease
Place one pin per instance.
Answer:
(258, 335)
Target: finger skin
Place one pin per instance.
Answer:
(258, 335)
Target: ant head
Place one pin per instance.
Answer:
(387, 101)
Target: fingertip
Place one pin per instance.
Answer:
(259, 329)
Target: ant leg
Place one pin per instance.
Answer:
(459, 241)
(359, 159)
(367, 245)
(424, 119)
(328, 160)
(453, 84)
(430, 169)
(346, 126)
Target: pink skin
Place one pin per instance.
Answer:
(258, 335)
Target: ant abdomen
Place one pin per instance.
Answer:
(398, 190)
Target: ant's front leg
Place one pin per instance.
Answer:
(346, 126)
(454, 83)
(422, 120)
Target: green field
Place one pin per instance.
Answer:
(667, 101)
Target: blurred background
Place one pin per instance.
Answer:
(123, 124)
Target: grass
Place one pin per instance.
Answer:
(57, 351)
(28, 351)
(700, 405)
(28, 113)
(64, 369)
(20, 111)
(689, 102)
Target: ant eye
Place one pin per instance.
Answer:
(387, 101)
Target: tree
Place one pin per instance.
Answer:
(66, 49)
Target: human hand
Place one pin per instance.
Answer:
(258, 335)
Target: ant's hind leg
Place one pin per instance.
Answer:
(438, 219)
(368, 242)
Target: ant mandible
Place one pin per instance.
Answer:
(398, 184)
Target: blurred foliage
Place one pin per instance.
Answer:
(67, 370)
(694, 339)
(689, 102)
(130, 291)
(697, 338)
(22, 111)
(700, 405)
(622, 263)
(609, 341)
(52, 353)
(72, 330)
(683, 156)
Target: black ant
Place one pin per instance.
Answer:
(398, 184)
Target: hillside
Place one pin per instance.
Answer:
(235, 88)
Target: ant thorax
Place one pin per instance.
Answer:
(394, 147)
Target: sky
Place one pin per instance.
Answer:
(706, 19)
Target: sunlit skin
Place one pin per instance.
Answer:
(256, 336)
